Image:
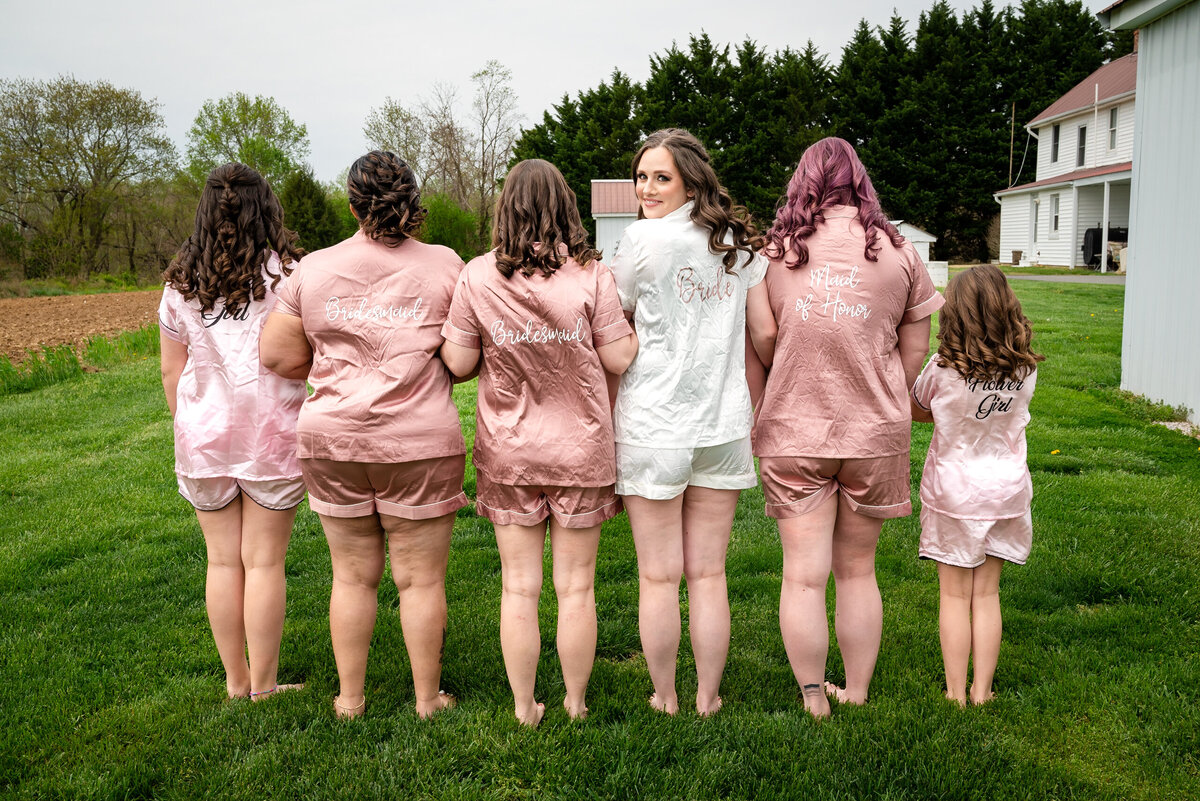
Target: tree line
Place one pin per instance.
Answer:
(90, 183)
(928, 111)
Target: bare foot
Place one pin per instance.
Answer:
(670, 706)
(842, 696)
(979, 699)
(234, 691)
(708, 710)
(263, 695)
(443, 700)
(575, 711)
(961, 700)
(533, 719)
(816, 703)
(346, 711)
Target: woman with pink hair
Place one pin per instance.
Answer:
(853, 302)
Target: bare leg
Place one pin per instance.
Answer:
(224, 592)
(658, 537)
(356, 551)
(574, 553)
(265, 535)
(858, 618)
(419, 550)
(807, 554)
(985, 627)
(707, 521)
(954, 624)
(521, 552)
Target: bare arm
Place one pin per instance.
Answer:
(919, 414)
(613, 380)
(462, 361)
(756, 376)
(283, 349)
(617, 356)
(174, 357)
(914, 347)
(761, 322)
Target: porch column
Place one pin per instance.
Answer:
(1104, 233)
(1074, 226)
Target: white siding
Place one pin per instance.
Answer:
(1014, 226)
(1124, 148)
(1098, 153)
(1054, 247)
(1160, 355)
(608, 233)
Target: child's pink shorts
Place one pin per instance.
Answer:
(417, 490)
(796, 485)
(214, 494)
(966, 543)
(572, 507)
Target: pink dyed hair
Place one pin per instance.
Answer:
(829, 174)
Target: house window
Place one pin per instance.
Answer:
(1112, 129)
(1054, 134)
(1054, 214)
(1037, 208)
(1081, 153)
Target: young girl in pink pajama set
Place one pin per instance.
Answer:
(976, 490)
(543, 313)
(235, 422)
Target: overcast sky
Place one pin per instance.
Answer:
(330, 63)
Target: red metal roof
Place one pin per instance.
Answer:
(1067, 178)
(1116, 78)
(614, 197)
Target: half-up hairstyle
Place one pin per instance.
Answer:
(983, 333)
(537, 222)
(384, 196)
(712, 207)
(239, 222)
(829, 174)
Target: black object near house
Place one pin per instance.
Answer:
(1093, 241)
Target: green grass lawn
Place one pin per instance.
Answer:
(111, 687)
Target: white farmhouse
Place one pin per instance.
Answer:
(1083, 174)
(1160, 345)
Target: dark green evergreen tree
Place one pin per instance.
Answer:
(309, 212)
(593, 136)
(930, 112)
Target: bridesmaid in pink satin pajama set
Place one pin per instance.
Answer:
(543, 314)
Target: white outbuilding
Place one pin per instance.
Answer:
(1160, 346)
(614, 207)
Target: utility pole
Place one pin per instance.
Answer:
(1012, 138)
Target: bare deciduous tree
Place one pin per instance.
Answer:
(394, 127)
(450, 145)
(462, 159)
(497, 124)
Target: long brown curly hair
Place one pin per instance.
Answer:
(712, 207)
(239, 222)
(983, 333)
(535, 216)
(385, 197)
